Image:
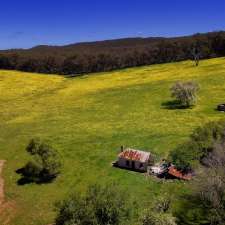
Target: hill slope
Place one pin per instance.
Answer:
(89, 117)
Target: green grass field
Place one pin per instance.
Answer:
(88, 118)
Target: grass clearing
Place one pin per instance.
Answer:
(87, 119)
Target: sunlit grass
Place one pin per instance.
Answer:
(88, 118)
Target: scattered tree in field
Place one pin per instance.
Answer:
(185, 93)
(46, 163)
(100, 205)
(196, 55)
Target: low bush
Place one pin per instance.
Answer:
(159, 215)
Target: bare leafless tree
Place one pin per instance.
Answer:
(196, 55)
(209, 185)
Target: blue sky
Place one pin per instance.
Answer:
(26, 23)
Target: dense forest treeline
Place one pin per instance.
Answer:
(110, 55)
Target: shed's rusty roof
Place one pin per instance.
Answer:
(135, 155)
(176, 173)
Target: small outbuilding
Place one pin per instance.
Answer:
(174, 173)
(134, 159)
(169, 171)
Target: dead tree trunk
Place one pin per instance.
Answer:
(196, 55)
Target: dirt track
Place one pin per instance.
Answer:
(7, 208)
(2, 196)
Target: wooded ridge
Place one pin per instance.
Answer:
(113, 54)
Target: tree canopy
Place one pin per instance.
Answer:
(45, 164)
(100, 205)
(115, 54)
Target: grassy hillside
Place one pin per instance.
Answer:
(88, 118)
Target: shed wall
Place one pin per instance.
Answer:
(135, 165)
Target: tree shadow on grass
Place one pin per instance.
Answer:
(173, 104)
(28, 179)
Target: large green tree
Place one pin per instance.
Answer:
(45, 164)
(100, 205)
(200, 144)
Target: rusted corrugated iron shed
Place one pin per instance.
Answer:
(178, 174)
(135, 155)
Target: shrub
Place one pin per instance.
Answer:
(100, 205)
(152, 218)
(46, 163)
(185, 93)
(159, 215)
